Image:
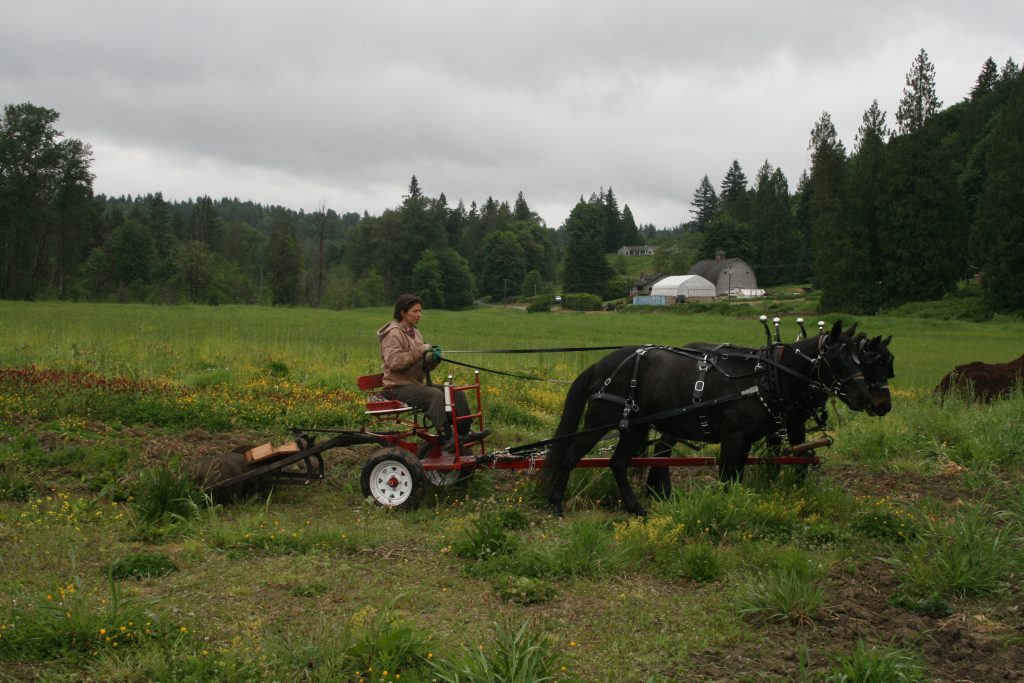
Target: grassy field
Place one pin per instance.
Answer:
(899, 559)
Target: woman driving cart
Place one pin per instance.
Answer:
(407, 361)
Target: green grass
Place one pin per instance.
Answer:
(875, 665)
(314, 583)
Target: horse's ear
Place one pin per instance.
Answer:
(885, 342)
(852, 331)
(837, 330)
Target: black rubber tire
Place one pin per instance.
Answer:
(394, 478)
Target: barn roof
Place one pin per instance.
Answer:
(711, 269)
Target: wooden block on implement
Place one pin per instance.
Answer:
(287, 449)
(268, 452)
(259, 453)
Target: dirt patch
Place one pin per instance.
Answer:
(962, 647)
(986, 381)
(194, 445)
(948, 486)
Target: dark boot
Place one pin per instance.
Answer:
(448, 439)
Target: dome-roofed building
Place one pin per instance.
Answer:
(679, 288)
(727, 275)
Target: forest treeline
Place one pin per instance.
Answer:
(902, 216)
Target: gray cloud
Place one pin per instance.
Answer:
(294, 103)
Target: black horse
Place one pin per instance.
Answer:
(715, 394)
(876, 364)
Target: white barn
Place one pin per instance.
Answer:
(680, 288)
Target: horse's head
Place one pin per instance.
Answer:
(876, 362)
(839, 368)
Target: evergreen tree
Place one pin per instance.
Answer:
(866, 187)
(1000, 222)
(160, 225)
(284, 262)
(630, 233)
(922, 223)
(773, 237)
(986, 80)
(206, 224)
(421, 228)
(840, 252)
(613, 236)
(733, 197)
(585, 268)
(705, 204)
(521, 212)
(455, 225)
(919, 102)
(1010, 70)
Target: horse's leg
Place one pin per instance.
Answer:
(574, 453)
(733, 458)
(796, 431)
(630, 445)
(659, 479)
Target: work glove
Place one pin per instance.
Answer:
(436, 352)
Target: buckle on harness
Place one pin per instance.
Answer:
(698, 386)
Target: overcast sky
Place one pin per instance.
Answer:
(298, 102)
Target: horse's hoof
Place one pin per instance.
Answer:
(557, 511)
(639, 512)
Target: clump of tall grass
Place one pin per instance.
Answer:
(72, 619)
(868, 664)
(515, 654)
(659, 545)
(166, 494)
(963, 556)
(484, 538)
(792, 590)
(713, 510)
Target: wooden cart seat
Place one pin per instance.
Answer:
(377, 404)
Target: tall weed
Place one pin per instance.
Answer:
(870, 665)
(959, 557)
(515, 654)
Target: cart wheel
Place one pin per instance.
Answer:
(393, 478)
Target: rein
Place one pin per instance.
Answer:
(507, 374)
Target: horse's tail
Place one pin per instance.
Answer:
(572, 411)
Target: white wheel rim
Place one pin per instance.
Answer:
(391, 483)
(443, 477)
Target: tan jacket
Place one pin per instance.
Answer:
(401, 350)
